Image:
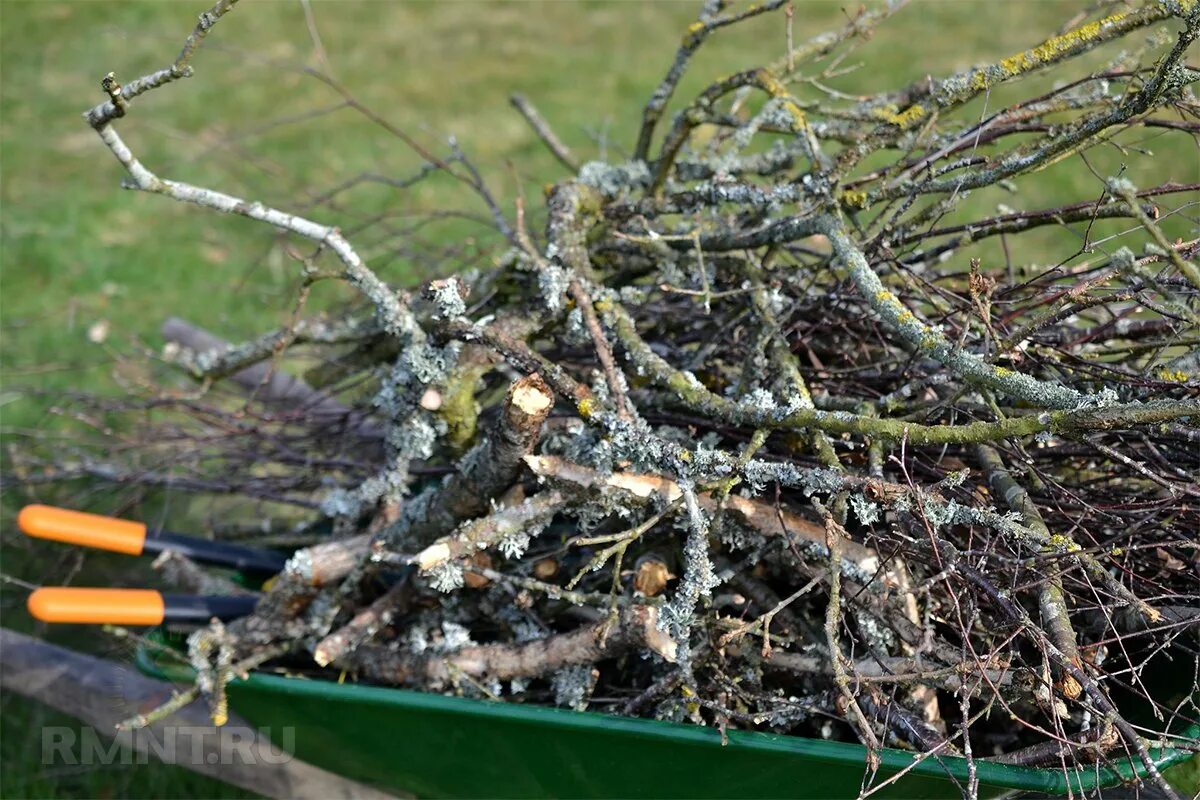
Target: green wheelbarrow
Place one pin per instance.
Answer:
(436, 746)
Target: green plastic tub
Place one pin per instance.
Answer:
(436, 746)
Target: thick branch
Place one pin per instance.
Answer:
(636, 627)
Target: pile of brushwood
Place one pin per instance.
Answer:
(776, 425)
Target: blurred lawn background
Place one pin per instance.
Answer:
(79, 255)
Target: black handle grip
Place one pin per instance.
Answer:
(202, 608)
(239, 557)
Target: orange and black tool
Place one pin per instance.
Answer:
(133, 606)
(136, 538)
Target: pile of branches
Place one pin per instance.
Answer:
(761, 428)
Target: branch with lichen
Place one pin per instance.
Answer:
(1100, 417)
(1052, 600)
(476, 535)
(636, 628)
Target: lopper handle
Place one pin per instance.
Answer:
(134, 538)
(136, 607)
(98, 606)
(86, 530)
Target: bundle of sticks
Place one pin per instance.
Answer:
(767, 427)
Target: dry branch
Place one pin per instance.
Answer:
(636, 627)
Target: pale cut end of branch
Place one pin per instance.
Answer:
(366, 623)
(322, 656)
(657, 640)
(532, 397)
(433, 555)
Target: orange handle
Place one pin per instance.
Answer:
(87, 530)
(97, 606)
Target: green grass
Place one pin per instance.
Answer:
(1185, 777)
(76, 250)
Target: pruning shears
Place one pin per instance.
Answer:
(137, 606)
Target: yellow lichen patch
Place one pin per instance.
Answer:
(770, 84)
(1002, 372)
(885, 112)
(910, 116)
(805, 395)
(1063, 543)
(586, 407)
(904, 119)
(1046, 52)
(798, 119)
(853, 199)
(693, 32)
(1175, 376)
(903, 315)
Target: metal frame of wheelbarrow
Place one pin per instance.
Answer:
(437, 746)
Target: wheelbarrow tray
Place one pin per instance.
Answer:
(431, 745)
